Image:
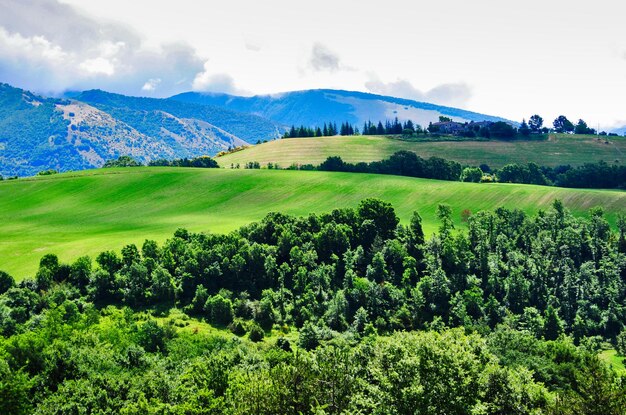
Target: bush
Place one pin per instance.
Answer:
(472, 174)
(308, 338)
(122, 161)
(237, 327)
(256, 333)
(219, 310)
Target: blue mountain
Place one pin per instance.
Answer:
(314, 107)
(38, 133)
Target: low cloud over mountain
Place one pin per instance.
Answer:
(50, 47)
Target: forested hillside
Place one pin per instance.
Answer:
(38, 134)
(132, 110)
(351, 312)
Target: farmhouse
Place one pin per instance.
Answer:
(449, 127)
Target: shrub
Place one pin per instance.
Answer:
(256, 333)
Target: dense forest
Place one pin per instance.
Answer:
(344, 312)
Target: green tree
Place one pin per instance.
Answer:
(80, 272)
(524, 129)
(6, 282)
(535, 123)
(582, 128)
(255, 332)
(381, 213)
(563, 125)
(219, 310)
(472, 174)
(553, 326)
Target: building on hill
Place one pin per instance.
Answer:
(449, 127)
(481, 124)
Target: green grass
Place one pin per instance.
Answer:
(82, 213)
(558, 149)
(615, 361)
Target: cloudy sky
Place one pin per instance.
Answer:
(505, 58)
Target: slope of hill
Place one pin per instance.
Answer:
(314, 107)
(559, 149)
(145, 114)
(41, 133)
(87, 212)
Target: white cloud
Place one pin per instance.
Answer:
(98, 66)
(426, 45)
(74, 51)
(210, 81)
(455, 94)
(151, 84)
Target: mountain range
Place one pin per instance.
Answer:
(90, 127)
(314, 107)
(39, 133)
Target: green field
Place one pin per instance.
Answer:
(558, 149)
(615, 361)
(85, 213)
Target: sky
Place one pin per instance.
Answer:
(505, 58)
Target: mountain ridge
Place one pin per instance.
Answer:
(315, 106)
(39, 133)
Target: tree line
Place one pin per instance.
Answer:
(375, 305)
(402, 163)
(499, 130)
(406, 163)
(128, 161)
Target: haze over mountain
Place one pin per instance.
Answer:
(314, 107)
(84, 131)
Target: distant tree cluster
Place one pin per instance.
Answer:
(202, 161)
(402, 163)
(127, 161)
(394, 127)
(48, 172)
(498, 130)
(590, 175)
(329, 129)
(406, 163)
(252, 165)
(122, 161)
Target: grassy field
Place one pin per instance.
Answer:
(558, 149)
(82, 213)
(615, 361)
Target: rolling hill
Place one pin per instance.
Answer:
(559, 149)
(314, 107)
(39, 133)
(87, 212)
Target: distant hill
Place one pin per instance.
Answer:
(39, 133)
(314, 107)
(558, 149)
